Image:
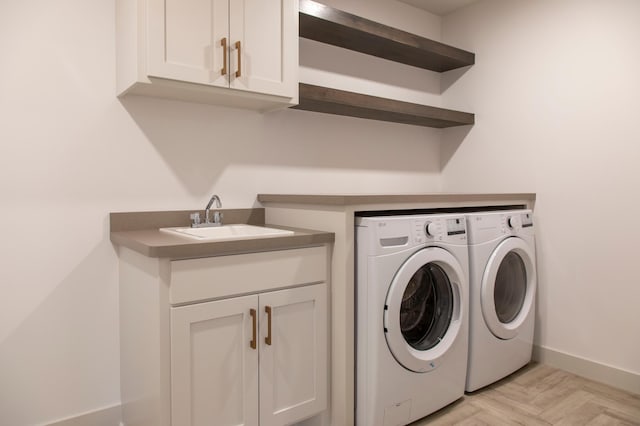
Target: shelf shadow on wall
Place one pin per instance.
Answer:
(195, 141)
(452, 139)
(449, 78)
(199, 142)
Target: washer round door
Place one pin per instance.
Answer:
(508, 287)
(422, 312)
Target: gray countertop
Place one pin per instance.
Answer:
(155, 243)
(139, 231)
(362, 199)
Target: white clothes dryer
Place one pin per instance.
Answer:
(411, 316)
(502, 275)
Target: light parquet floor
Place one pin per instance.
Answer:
(539, 395)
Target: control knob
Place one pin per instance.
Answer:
(430, 229)
(513, 222)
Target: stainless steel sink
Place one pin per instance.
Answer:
(227, 232)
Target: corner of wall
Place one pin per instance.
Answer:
(612, 376)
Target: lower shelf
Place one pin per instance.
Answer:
(340, 102)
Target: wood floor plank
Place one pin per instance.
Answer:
(619, 409)
(608, 391)
(531, 374)
(539, 395)
(506, 399)
(570, 403)
(502, 410)
(607, 420)
(470, 421)
(552, 389)
(493, 419)
(516, 392)
(582, 415)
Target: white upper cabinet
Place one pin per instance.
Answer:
(241, 53)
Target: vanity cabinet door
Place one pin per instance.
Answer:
(293, 362)
(214, 369)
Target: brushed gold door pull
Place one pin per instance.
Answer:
(267, 339)
(223, 43)
(253, 341)
(238, 46)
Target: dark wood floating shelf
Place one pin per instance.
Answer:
(332, 26)
(340, 102)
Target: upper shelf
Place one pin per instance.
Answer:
(332, 26)
(340, 102)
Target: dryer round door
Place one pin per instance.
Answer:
(508, 287)
(423, 309)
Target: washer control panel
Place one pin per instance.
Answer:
(527, 220)
(514, 222)
(439, 228)
(386, 234)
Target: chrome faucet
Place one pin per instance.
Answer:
(217, 216)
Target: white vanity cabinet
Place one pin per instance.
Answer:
(250, 360)
(238, 339)
(235, 52)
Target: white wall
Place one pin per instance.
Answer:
(70, 153)
(556, 92)
(554, 89)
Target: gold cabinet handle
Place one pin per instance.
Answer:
(238, 46)
(223, 43)
(267, 339)
(253, 341)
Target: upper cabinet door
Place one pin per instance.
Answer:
(266, 32)
(293, 354)
(249, 45)
(187, 40)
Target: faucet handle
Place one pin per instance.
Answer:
(217, 217)
(195, 219)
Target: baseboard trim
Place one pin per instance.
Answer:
(110, 416)
(612, 376)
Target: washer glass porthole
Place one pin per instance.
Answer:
(510, 287)
(427, 307)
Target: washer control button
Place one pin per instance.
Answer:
(431, 229)
(514, 222)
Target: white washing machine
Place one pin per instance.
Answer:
(411, 316)
(502, 275)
